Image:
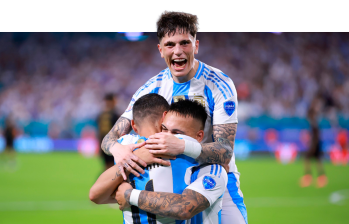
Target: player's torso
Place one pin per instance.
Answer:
(194, 89)
(159, 178)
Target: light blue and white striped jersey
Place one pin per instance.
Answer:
(210, 86)
(182, 172)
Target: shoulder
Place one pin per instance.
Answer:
(218, 82)
(128, 139)
(152, 82)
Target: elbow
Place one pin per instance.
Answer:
(186, 215)
(94, 197)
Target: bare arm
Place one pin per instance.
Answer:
(221, 150)
(120, 128)
(102, 191)
(177, 206)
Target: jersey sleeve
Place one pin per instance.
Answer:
(226, 103)
(128, 139)
(211, 182)
(148, 87)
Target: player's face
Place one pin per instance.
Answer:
(178, 50)
(189, 126)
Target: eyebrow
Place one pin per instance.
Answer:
(181, 42)
(173, 130)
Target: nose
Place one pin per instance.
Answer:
(178, 50)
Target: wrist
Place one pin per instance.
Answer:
(192, 149)
(134, 196)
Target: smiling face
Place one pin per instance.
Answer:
(177, 124)
(178, 50)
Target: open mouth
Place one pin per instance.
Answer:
(179, 63)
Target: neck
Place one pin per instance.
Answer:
(148, 130)
(190, 75)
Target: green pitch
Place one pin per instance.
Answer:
(53, 188)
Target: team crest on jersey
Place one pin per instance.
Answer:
(200, 99)
(178, 98)
(229, 107)
(140, 140)
(208, 182)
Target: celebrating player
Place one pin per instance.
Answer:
(185, 117)
(188, 78)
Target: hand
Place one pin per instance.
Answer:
(121, 198)
(124, 158)
(149, 158)
(166, 144)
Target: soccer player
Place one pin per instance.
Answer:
(185, 117)
(188, 78)
(315, 149)
(105, 121)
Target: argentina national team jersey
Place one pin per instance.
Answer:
(157, 178)
(210, 86)
(216, 91)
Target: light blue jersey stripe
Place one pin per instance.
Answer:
(151, 81)
(234, 194)
(220, 171)
(181, 89)
(211, 169)
(140, 183)
(179, 167)
(215, 173)
(212, 76)
(155, 90)
(199, 71)
(219, 216)
(231, 91)
(214, 82)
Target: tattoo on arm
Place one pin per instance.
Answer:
(127, 195)
(221, 150)
(121, 127)
(177, 206)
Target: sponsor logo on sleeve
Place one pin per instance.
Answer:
(229, 107)
(208, 182)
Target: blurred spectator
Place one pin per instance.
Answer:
(60, 77)
(105, 121)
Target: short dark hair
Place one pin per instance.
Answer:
(190, 108)
(169, 22)
(150, 107)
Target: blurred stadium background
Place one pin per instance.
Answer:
(52, 86)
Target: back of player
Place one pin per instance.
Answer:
(157, 178)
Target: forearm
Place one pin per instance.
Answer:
(222, 149)
(177, 206)
(102, 191)
(121, 127)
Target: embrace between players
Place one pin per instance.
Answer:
(187, 177)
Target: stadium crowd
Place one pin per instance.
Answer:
(61, 78)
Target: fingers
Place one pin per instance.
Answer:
(156, 152)
(122, 171)
(138, 160)
(162, 162)
(129, 168)
(154, 141)
(135, 166)
(154, 146)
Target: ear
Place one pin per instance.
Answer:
(196, 47)
(200, 136)
(134, 126)
(163, 115)
(160, 50)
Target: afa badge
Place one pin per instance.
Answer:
(229, 107)
(208, 182)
